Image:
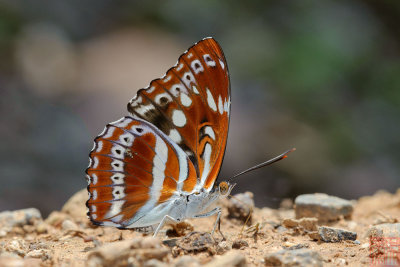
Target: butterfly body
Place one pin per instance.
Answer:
(162, 162)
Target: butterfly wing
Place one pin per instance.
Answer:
(133, 168)
(191, 105)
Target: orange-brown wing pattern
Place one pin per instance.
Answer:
(191, 105)
(134, 167)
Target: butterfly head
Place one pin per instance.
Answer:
(225, 188)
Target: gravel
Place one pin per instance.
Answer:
(322, 206)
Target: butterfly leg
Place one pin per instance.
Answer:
(163, 221)
(217, 221)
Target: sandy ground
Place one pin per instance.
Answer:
(67, 238)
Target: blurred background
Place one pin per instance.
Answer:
(321, 76)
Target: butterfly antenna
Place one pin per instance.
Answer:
(266, 163)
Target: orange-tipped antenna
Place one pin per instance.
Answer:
(268, 162)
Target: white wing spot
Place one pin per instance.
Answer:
(220, 105)
(175, 136)
(206, 157)
(163, 96)
(109, 132)
(94, 195)
(121, 122)
(209, 61)
(118, 151)
(99, 146)
(151, 89)
(209, 130)
(127, 139)
(95, 162)
(94, 208)
(118, 192)
(189, 55)
(179, 67)
(197, 66)
(178, 118)
(136, 100)
(117, 165)
(117, 178)
(177, 89)
(194, 88)
(226, 106)
(167, 79)
(90, 163)
(142, 109)
(222, 64)
(188, 78)
(210, 100)
(115, 209)
(94, 178)
(185, 100)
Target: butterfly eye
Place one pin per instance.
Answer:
(223, 188)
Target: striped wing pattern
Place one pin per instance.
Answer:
(174, 142)
(134, 167)
(191, 105)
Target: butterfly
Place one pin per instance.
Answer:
(161, 163)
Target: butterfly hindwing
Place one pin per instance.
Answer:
(134, 167)
(191, 104)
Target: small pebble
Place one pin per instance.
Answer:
(384, 230)
(240, 206)
(197, 242)
(224, 246)
(3, 232)
(322, 206)
(38, 253)
(330, 234)
(303, 224)
(56, 218)
(365, 245)
(281, 229)
(69, 225)
(17, 246)
(19, 217)
(41, 228)
(291, 245)
(340, 262)
(286, 204)
(114, 253)
(238, 244)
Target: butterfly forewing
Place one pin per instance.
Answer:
(191, 104)
(133, 168)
